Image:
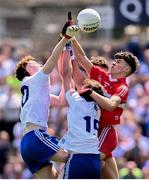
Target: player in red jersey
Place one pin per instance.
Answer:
(117, 90)
(107, 144)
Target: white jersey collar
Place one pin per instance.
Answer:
(112, 79)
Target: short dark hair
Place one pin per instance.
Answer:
(21, 71)
(129, 58)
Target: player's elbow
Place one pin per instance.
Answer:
(111, 107)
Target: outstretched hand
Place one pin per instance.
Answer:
(72, 31)
(67, 24)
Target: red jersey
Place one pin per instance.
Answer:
(112, 87)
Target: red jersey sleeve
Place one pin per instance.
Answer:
(97, 73)
(122, 92)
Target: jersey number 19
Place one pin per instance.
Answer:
(89, 124)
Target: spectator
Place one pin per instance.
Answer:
(145, 170)
(4, 149)
(131, 171)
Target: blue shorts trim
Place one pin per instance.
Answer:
(83, 166)
(47, 141)
(36, 149)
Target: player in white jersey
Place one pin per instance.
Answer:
(37, 147)
(81, 140)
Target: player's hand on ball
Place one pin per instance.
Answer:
(72, 31)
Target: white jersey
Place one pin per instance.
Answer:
(35, 99)
(83, 124)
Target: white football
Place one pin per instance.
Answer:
(88, 20)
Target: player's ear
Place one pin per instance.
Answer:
(127, 68)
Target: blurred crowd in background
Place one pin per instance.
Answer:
(132, 152)
(31, 27)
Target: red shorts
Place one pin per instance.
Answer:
(108, 140)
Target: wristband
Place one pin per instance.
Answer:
(67, 37)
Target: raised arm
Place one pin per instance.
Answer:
(59, 100)
(81, 56)
(52, 60)
(66, 71)
(70, 32)
(77, 75)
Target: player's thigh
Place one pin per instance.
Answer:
(110, 170)
(47, 172)
(60, 156)
(107, 140)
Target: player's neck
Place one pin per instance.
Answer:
(117, 76)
